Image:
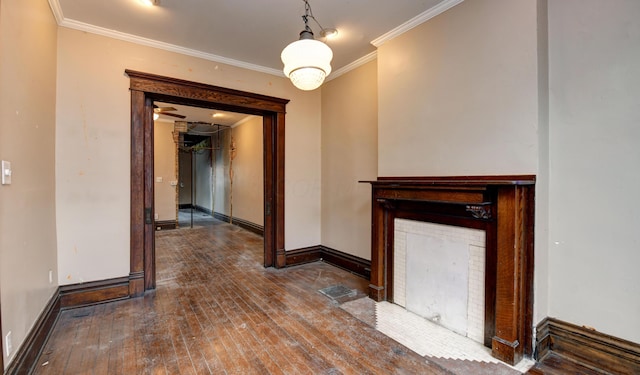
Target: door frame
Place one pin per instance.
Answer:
(146, 88)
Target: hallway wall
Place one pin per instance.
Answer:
(27, 129)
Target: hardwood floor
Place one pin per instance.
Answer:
(554, 364)
(217, 310)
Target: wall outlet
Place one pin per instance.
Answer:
(50, 277)
(6, 173)
(8, 344)
(156, 216)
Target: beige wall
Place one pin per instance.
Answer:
(164, 166)
(458, 94)
(27, 128)
(594, 161)
(248, 168)
(92, 157)
(248, 181)
(349, 154)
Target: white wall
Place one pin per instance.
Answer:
(457, 95)
(594, 161)
(349, 155)
(27, 128)
(93, 157)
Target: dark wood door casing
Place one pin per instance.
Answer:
(145, 89)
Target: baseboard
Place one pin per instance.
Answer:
(65, 297)
(95, 292)
(587, 347)
(358, 266)
(203, 209)
(27, 354)
(351, 263)
(251, 227)
(303, 256)
(165, 224)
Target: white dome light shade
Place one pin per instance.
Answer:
(307, 62)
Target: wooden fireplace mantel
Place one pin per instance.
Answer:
(503, 207)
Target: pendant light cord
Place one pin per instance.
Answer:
(308, 13)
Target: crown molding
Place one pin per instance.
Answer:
(77, 25)
(81, 26)
(56, 10)
(415, 21)
(72, 24)
(353, 65)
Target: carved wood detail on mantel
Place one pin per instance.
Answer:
(502, 206)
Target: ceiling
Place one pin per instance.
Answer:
(247, 33)
(204, 116)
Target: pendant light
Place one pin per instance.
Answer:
(307, 61)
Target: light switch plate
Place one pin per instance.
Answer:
(6, 173)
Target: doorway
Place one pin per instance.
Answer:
(145, 89)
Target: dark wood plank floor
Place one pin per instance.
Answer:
(216, 310)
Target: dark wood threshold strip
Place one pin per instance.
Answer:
(65, 297)
(356, 265)
(244, 224)
(559, 341)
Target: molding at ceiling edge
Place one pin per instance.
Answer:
(56, 10)
(415, 21)
(72, 24)
(81, 26)
(351, 66)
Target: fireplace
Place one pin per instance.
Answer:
(438, 274)
(502, 207)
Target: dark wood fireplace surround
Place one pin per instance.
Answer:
(503, 206)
